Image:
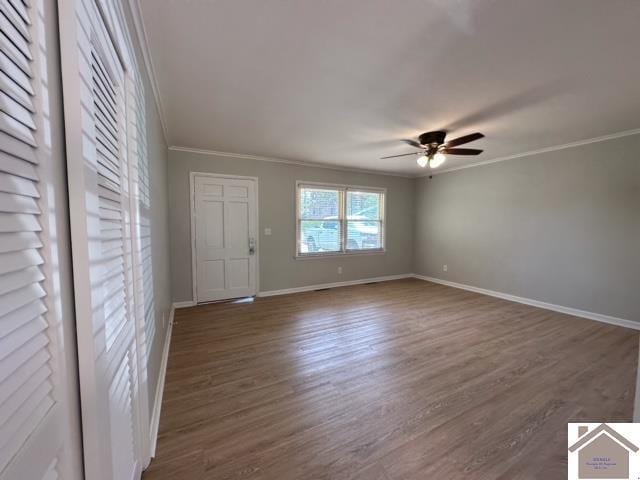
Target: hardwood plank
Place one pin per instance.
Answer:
(397, 380)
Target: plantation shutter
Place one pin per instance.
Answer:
(111, 198)
(101, 160)
(141, 236)
(144, 219)
(33, 424)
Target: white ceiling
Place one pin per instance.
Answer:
(341, 82)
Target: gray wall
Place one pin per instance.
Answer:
(278, 267)
(157, 151)
(561, 227)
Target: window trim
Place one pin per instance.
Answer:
(344, 188)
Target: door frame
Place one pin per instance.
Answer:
(192, 215)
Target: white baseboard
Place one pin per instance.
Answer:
(309, 288)
(598, 317)
(188, 303)
(157, 401)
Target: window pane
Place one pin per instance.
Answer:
(319, 203)
(363, 235)
(363, 206)
(320, 236)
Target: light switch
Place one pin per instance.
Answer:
(267, 231)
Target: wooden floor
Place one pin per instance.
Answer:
(395, 380)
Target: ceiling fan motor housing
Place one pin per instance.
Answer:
(429, 138)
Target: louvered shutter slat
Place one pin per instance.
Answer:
(22, 259)
(103, 78)
(27, 350)
(17, 167)
(20, 297)
(12, 342)
(12, 149)
(107, 194)
(25, 420)
(17, 185)
(16, 20)
(15, 91)
(19, 279)
(105, 143)
(12, 242)
(10, 202)
(11, 406)
(13, 127)
(108, 160)
(17, 110)
(15, 222)
(19, 316)
(110, 233)
(103, 104)
(107, 186)
(21, 9)
(110, 265)
(110, 214)
(23, 373)
(15, 29)
(108, 170)
(14, 63)
(107, 124)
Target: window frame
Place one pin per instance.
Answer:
(343, 189)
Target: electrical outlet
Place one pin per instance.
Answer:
(267, 231)
(339, 270)
(445, 268)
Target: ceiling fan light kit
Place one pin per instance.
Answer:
(433, 161)
(433, 147)
(437, 160)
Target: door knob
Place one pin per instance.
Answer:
(252, 245)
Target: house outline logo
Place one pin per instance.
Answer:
(602, 453)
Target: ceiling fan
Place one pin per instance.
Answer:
(433, 149)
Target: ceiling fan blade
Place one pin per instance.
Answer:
(462, 140)
(413, 143)
(461, 151)
(403, 155)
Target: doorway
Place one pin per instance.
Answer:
(224, 226)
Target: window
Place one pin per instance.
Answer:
(338, 219)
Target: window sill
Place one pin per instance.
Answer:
(314, 256)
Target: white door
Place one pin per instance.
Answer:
(39, 420)
(99, 114)
(224, 227)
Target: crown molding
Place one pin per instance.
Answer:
(301, 163)
(579, 143)
(143, 42)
